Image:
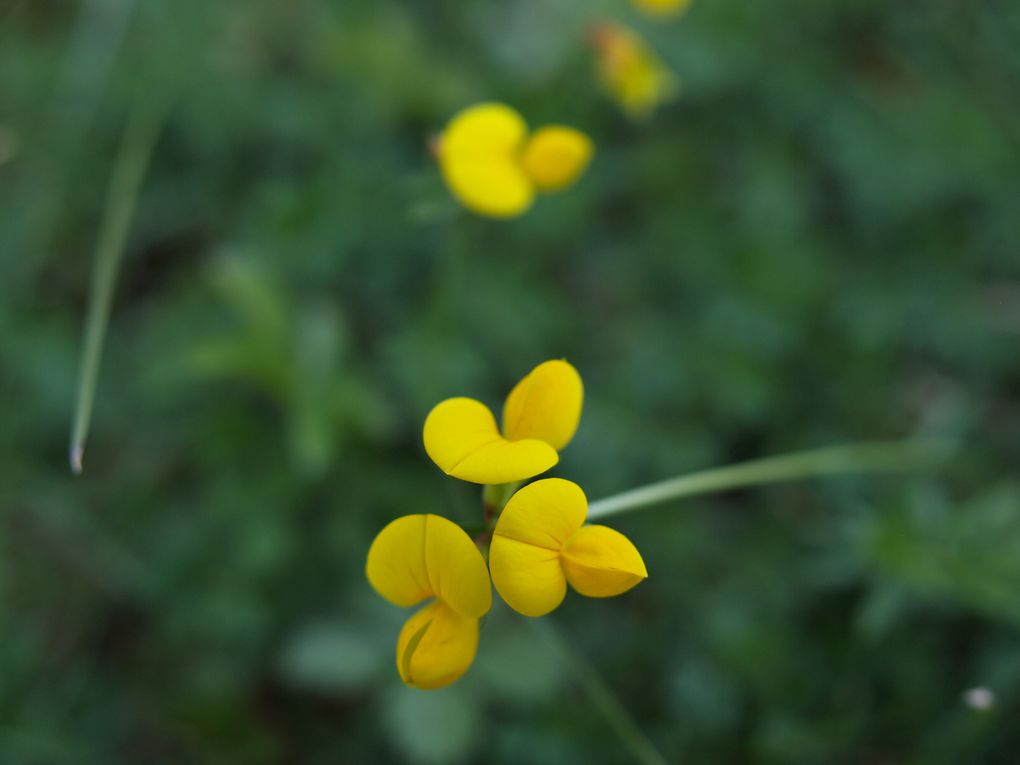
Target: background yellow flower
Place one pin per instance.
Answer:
(492, 165)
(631, 72)
(663, 8)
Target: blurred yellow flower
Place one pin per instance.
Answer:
(426, 556)
(494, 168)
(663, 7)
(540, 544)
(540, 416)
(631, 72)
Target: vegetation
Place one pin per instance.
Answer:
(814, 243)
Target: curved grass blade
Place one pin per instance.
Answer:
(125, 182)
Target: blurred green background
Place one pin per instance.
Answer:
(816, 243)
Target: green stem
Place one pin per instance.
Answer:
(602, 696)
(888, 456)
(121, 199)
(494, 498)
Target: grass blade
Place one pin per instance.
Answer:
(122, 197)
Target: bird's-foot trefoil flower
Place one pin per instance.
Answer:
(417, 557)
(631, 73)
(494, 167)
(540, 543)
(537, 537)
(540, 416)
(663, 8)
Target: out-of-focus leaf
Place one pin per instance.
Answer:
(334, 658)
(507, 646)
(440, 727)
(966, 552)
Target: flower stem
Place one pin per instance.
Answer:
(602, 696)
(889, 456)
(494, 498)
(122, 196)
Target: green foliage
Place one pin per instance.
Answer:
(815, 244)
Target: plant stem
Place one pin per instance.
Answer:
(602, 696)
(494, 499)
(887, 456)
(125, 182)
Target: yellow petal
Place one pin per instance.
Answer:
(524, 556)
(555, 156)
(600, 562)
(544, 514)
(461, 437)
(545, 405)
(663, 7)
(528, 578)
(479, 158)
(507, 462)
(396, 562)
(485, 128)
(436, 646)
(494, 187)
(421, 556)
(456, 569)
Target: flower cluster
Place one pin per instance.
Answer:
(536, 544)
(494, 167)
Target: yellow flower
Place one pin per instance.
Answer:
(540, 417)
(540, 544)
(631, 72)
(494, 168)
(426, 556)
(663, 7)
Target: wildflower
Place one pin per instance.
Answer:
(540, 416)
(631, 72)
(426, 556)
(540, 544)
(663, 7)
(494, 168)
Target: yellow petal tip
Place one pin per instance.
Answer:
(600, 562)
